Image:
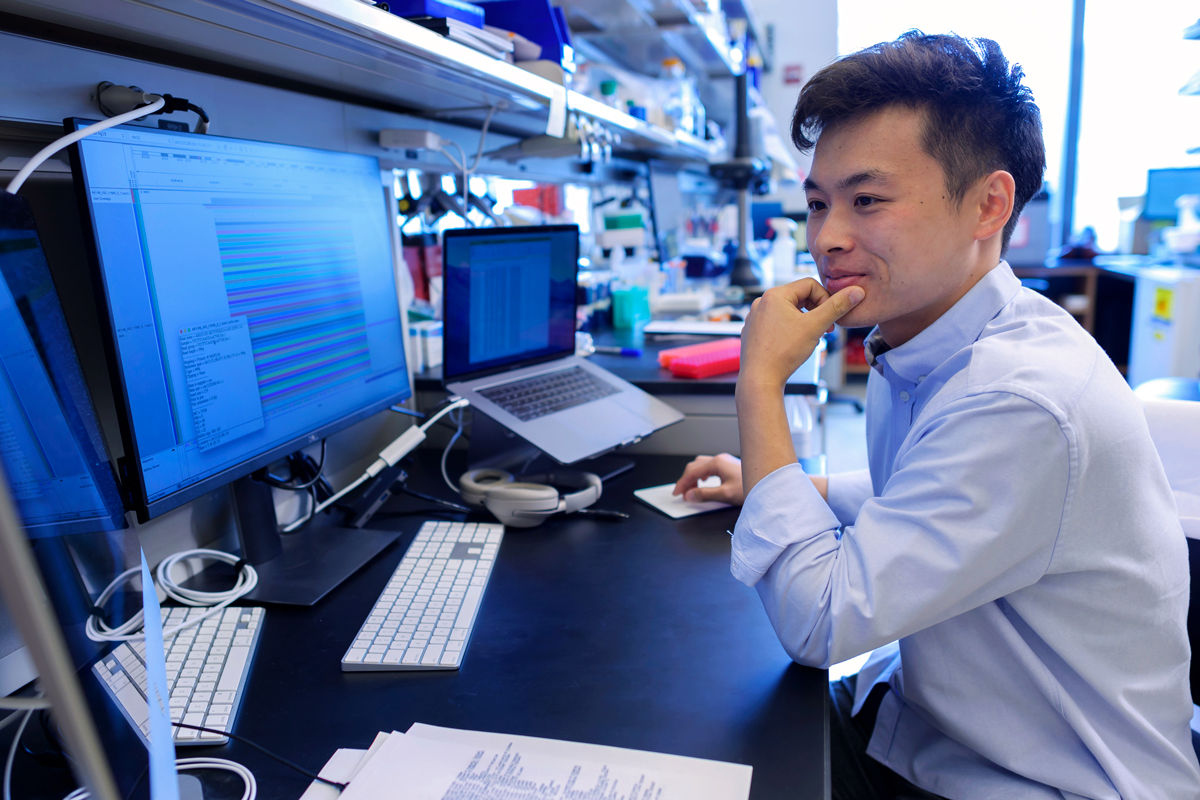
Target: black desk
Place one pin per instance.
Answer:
(631, 634)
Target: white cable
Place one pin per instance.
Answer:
(99, 631)
(247, 579)
(12, 755)
(446, 453)
(71, 138)
(388, 457)
(23, 704)
(482, 139)
(318, 509)
(246, 775)
(183, 764)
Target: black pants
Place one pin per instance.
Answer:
(857, 776)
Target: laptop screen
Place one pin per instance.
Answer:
(510, 297)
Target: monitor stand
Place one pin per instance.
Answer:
(300, 568)
(494, 446)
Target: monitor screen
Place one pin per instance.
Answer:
(250, 299)
(1165, 186)
(59, 476)
(509, 297)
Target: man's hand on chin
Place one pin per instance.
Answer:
(781, 333)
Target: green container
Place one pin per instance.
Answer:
(631, 307)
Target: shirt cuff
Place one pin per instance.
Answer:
(782, 509)
(848, 491)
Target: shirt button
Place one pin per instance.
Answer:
(904, 396)
(920, 378)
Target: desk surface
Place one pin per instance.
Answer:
(631, 634)
(644, 372)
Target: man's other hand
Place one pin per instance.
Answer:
(726, 467)
(778, 336)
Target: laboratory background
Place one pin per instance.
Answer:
(402, 319)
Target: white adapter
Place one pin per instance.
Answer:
(410, 139)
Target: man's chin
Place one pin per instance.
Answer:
(858, 317)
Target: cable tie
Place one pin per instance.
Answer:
(100, 614)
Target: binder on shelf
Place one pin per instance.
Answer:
(467, 13)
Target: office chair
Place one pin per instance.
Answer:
(1175, 430)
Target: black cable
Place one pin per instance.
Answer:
(199, 112)
(431, 499)
(279, 483)
(264, 751)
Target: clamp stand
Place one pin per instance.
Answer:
(748, 175)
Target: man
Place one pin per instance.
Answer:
(1015, 532)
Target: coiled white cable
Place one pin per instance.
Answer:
(246, 581)
(99, 631)
(184, 764)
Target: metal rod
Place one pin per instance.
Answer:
(25, 595)
(1070, 164)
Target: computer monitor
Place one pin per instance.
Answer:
(59, 478)
(249, 307)
(1165, 186)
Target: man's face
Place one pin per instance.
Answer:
(879, 216)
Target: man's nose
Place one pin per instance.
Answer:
(833, 235)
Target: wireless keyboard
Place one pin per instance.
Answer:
(424, 617)
(207, 667)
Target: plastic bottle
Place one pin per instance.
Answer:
(608, 93)
(783, 250)
(680, 103)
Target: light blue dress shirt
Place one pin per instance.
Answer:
(1016, 534)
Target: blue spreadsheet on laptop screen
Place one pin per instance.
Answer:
(510, 296)
(251, 292)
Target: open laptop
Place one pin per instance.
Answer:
(509, 345)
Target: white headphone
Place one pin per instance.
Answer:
(528, 503)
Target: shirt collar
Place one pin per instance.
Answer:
(951, 332)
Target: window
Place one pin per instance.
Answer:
(1132, 116)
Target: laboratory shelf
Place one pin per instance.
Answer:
(356, 50)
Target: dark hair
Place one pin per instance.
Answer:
(978, 116)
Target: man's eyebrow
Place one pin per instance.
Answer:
(857, 179)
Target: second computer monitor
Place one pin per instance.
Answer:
(250, 300)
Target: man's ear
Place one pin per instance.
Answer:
(996, 194)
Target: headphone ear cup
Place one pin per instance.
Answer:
(586, 485)
(476, 484)
(523, 505)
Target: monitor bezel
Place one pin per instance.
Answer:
(448, 321)
(129, 465)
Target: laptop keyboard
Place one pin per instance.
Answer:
(544, 394)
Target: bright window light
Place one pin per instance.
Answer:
(1033, 33)
(1132, 117)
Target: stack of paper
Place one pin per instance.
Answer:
(431, 763)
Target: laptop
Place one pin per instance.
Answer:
(509, 345)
